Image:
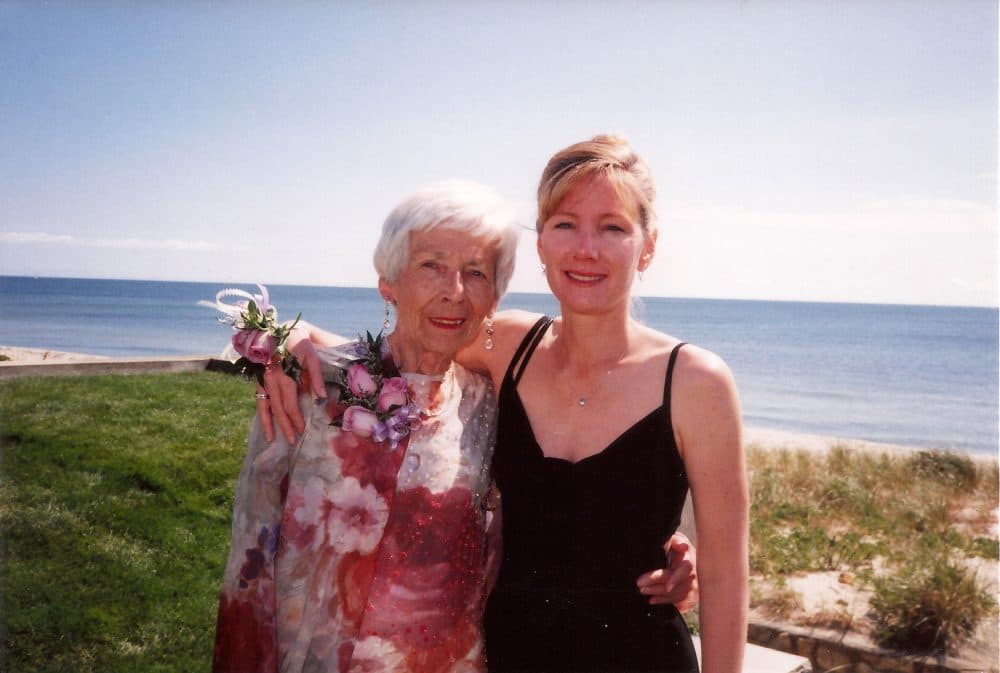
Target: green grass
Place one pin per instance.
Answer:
(116, 495)
(115, 499)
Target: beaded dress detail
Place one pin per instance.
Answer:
(348, 555)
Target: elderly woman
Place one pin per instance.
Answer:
(604, 424)
(361, 546)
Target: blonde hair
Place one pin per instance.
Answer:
(605, 155)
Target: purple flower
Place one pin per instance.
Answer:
(360, 381)
(360, 421)
(357, 349)
(255, 345)
(392, 394)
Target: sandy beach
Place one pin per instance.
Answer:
(16, 355)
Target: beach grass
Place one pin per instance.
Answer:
(846, 507)
(115, 500)
(902, 525)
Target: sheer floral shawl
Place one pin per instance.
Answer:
(348, 555)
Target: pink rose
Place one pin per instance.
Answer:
(360, 381)
(359, 420)
(255, 345)
(393, 393)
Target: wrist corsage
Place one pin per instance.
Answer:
(373, 396)
(258, 337)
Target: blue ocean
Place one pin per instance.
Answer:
(916, 375)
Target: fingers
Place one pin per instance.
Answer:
(676, 549)
(284, 413)
(647, 581)
(653, 584)
(308, 358)
(672, 585)
(315, 369)
(679, 577)
(678, 582)
(289, 399)
(264, 413)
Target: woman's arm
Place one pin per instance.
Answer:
(280, 405)
(707, 423)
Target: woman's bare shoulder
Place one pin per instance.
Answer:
(509, 328)
(700, 372)
(515, 320)
(704, 393)
(692, 360)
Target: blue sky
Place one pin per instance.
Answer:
(830, 151)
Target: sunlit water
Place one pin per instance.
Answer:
(916, 375)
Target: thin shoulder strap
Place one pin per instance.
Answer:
(529, 343)
(667, 384)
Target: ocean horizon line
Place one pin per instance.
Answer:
(251, 284)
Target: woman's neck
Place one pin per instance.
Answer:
(585, 341)
(411, 358)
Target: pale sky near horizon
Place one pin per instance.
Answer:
(803, 150)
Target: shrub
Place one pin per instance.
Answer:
(929, 605)
(955, 469)
(985, 547)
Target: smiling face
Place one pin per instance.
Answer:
(442, 295)
(592, 247)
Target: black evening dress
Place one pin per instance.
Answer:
(575, 538)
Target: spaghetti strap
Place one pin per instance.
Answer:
(529, 343)
(668, 383)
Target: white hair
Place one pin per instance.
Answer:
(459, 205)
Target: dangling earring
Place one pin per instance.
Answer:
(640, 276)
(385, 323)
(543, 267)
(489, 333)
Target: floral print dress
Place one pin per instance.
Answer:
(352, 556)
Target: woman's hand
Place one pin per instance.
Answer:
(281, 403)
(678, 582)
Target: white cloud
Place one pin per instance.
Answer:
(28, 237)
(41, 237)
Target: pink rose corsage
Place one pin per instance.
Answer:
(258, 337)
(375, 400)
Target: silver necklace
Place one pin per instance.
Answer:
(584, 398)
